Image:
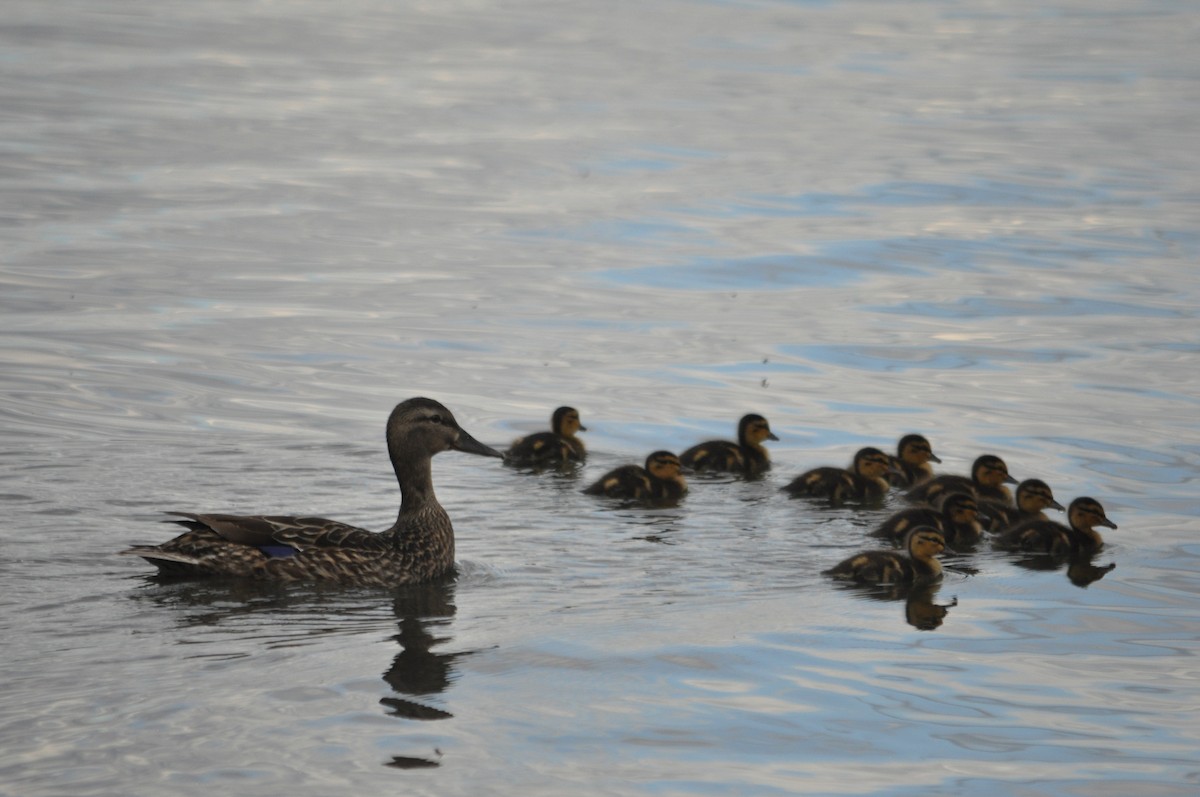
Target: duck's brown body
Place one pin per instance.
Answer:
(418, 547)
(747, 456)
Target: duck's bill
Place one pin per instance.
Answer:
(469, 445)
(1056, 505)
(935, 458)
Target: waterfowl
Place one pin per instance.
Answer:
(958, 520)
(418, 547)
(911, 463)
(660, 480)
(989, 474)
(1047, 536)
(918, 563)
(747, 455)
(863, 480)
(1032, 496)
(552, 449)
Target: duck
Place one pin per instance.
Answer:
(554, 449)
(989, 474)
(864, 480)
(661, 480)
(917, 564)
(1046, 536)
(958, 520)
(1031, 497)
(747, 456)
(911, 463)
(419, 546)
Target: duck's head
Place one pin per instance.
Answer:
(664, 465)
(924, 543)
(915, 450)
(1034, 495)
(565, 422)
(753, 430)
(423, 426)
(1086, 513)
(991, 471)
(960, 508)
(872, 463)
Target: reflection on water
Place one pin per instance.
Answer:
(920, 609)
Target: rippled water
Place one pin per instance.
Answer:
(235, 234)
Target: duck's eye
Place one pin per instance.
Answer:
(436, 419)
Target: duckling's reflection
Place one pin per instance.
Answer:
(920, 609)
(1081, 568)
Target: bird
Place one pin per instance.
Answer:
(989, 474)
(1032, 496)
(554, 449)
(1046, 536)
(747, 455)
(661, 480)
(419, 546)
(958, 520)
(863, 480)
(918, 562)
(911, 463)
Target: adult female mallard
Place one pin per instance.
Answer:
(864, 480)
(989, 474)
(911, 465)
(958, 520)
(418, 547)
(747, 455)
(1032, 496)
(1046, 536)
(660, 481)
(552, 449)
(918, 563)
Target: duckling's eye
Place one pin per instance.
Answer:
(436, 419)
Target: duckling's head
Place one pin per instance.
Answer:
(960, 508)
(565, 422)
(753, 430)
(991, 471)
(872, 463)
(1034, 495)
(915, 450)
(1086, 513)
(664, 465)
(423, 427)
(924, 543)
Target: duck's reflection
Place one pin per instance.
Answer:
(920, 609)
(417, 670)
(1081, 568)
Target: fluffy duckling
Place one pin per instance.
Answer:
(918, 563)
(863, 480)
(552, 449)
(1046, 536)
(989, 474)
(958, 521)
(661, 480)
(419, 546)
(747, 455)
(911, 463)
(1032, 496)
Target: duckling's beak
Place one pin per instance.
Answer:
(935, 458)
(772, 436)
(946, 549)
(1056, 505)
(1106, 522)
(1009, 479)
(469, 445)
(582, 428)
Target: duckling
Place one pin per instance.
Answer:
(1046, 536)
(864, 480)
(989, 474)
(918, 564)
(552, 449)
(747, 455)
(660, 481)
(418, 547)
(1033, 495)
(911, 463)
(958, 520)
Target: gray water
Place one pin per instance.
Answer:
(235, 234)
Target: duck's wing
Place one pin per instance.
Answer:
(296, 531)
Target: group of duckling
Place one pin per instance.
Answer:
(419, 546)
(948, 510)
